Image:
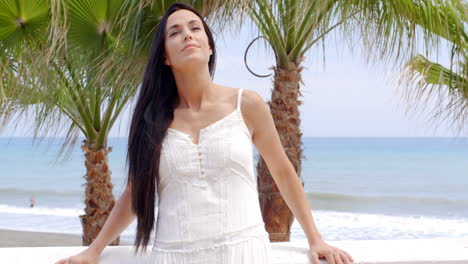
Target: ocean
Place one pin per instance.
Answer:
(357, 188)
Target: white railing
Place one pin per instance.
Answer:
(415, 251)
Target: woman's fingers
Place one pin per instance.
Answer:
(347, 256)
(344, 256)
(337, 257)
(315, 258)
(62, 261)
(330, 259)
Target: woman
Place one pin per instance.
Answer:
(190, 149)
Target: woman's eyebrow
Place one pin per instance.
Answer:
(177, 25)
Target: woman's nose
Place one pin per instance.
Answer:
(188, 35)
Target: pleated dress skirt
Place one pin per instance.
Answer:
(251, 245)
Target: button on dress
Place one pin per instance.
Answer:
(208, 207)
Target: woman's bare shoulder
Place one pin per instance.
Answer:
(250, 101)
(251, 105)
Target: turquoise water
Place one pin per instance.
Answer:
(424, 176)
(358, 188)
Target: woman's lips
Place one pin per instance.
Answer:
(190, 46)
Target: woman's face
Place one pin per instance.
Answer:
(185, 28)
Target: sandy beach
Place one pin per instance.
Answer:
(13, 238)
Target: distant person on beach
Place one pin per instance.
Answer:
(190, 153)
(32, 201)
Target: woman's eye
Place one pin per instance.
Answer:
(175, 32)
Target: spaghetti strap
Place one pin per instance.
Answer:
(239, 98)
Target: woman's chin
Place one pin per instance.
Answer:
(192, 63)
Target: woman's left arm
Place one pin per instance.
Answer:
(266, 139)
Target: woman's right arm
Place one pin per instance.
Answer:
(120, 217)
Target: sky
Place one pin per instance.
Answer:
(343, 97)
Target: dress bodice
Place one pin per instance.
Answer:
(206, 192)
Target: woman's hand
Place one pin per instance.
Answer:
(333, 255)
(87, 256)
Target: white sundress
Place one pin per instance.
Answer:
(208, 207)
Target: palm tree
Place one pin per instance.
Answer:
(425, 79)
(389, 30)
(83, 61)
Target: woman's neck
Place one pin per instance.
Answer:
(193, 88)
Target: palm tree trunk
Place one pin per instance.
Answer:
(99, 199)
(284, 107)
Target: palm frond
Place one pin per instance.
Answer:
(425, 80)
(395, 31)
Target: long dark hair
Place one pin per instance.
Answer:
(153, 113)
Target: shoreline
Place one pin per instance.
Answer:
(16, 238)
